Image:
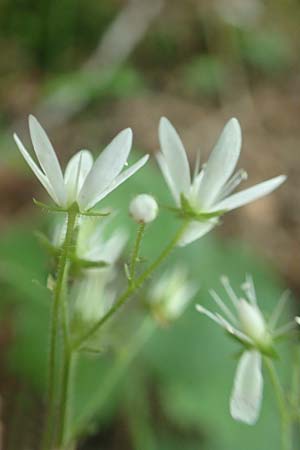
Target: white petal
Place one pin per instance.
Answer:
(113, 247)
(116, 182)
(167, 176)
(221, 163)
(278, 309)
(230, 292)
(223, 306)
(211, 316)
(175, 156)
(106, 168)
(47, 159)
(233, 330)
(36, 170)
(249, 195)
(247, 391)
(76, 172)
(195, 230)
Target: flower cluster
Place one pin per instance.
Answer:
(87, 251)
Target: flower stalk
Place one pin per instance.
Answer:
(133, 287)
(54, 326)
(285, 419)
(68, 366)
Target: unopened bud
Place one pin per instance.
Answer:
(143, 208)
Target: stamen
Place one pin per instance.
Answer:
(209, 314)
(231, 184)
(278, 309)
(230, 292)
(249, 289)
(197, 165)
(77, 181)
(285, 328)
(222, 306)
(234, 331)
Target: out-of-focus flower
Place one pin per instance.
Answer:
(208, 194)
(92, 245)
(84, 182)
(95, 291)
(170, 294)
(249, 327)
(143, 208)
(94, 295)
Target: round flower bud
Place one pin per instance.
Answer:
(143, 208)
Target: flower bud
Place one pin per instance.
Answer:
(143, 208)
(252, 322)
(170, 294)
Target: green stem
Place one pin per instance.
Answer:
(135, 253)
(65, 397)
(133, 287)
(286, 435)
(54, 328)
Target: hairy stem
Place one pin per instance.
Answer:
(54, 329)
(65, 397)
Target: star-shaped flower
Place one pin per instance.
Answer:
(247, 325)
(207, 195)
(85, 182)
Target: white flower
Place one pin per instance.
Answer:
(92, 245)
(170, 294)
(249, 327)
(208, 194)
(84, 182)
(93, 297)
(143, 208)
(95, 292)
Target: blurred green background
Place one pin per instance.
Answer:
(87, 69)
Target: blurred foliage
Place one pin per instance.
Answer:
(93, 86)
(54, 37)
(206, 75)
(52, 34)
(172, 385)
(268, 52)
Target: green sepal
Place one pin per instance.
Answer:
(44, 242)
(49, 208)
(87, 264)
(188, 212)
(95, 214)
(74, 207)
(267, 350)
